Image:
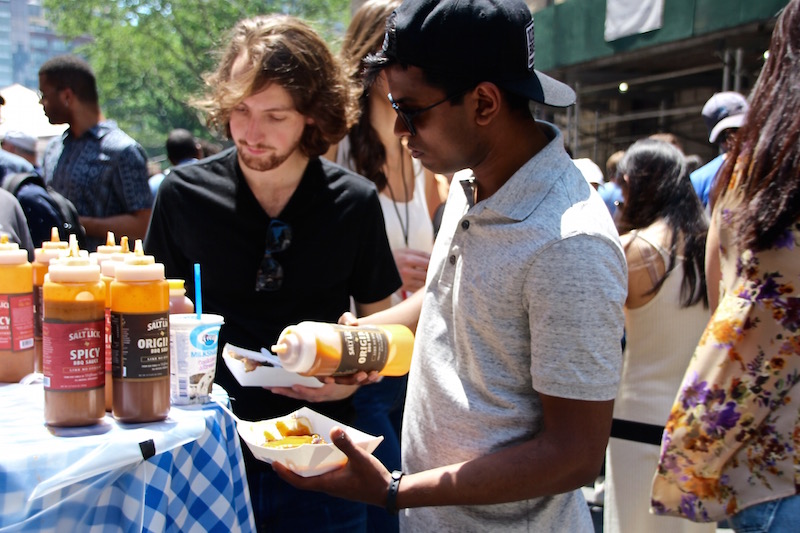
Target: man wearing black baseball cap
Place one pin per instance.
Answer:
(517, 355)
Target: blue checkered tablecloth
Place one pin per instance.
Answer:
(97, 479)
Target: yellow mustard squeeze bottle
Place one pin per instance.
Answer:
(321, 349)
(140, 339)
(51, 249)
(16, 312)
(72, 341)
(107, 268)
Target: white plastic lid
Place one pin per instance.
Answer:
(190, 320)
(297, 352)
(12, 256)
(74, 269)
(108, 268)
(46, 254)
(109, 247)
(139, 267)
(55, 242)
(147, 270)
(101, 258)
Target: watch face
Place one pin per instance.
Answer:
(397, 475)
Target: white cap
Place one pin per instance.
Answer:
(11, 254)
(21, 140)
(590, 170)
(74, 269)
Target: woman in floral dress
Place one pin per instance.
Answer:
(731, 447)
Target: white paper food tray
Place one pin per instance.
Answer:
(307, 459)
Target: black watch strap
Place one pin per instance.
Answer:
(391, 496)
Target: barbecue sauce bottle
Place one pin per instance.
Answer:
(107, 268)
(51, 249)
(140, 339)
(73, 325)
(16, 313)
(321, 349)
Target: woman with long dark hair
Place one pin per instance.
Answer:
(665, 313)
(731, 447)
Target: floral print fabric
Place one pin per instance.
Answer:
(733, 436)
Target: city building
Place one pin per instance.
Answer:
(26, 41)
(657, 81)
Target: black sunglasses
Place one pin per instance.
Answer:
(408, 116)
(270, 274)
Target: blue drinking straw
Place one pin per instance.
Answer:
(198, 298)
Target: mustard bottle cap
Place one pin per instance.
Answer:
(74, 267)
(110, 247)
(10, 253)
(55, 242)
(139, 267)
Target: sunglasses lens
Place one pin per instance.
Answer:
(270, 275)
(405, 119)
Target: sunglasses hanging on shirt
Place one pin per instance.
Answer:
(270, 273)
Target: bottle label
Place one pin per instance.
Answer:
(139, 345)
(72, 355)
(38, 305)
(363, 348)
(108, 340)
(16, 322)
(194, 362)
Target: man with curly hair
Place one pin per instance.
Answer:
(281, 235)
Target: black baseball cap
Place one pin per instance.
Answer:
(485, 40)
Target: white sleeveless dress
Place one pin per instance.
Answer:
(660, 339)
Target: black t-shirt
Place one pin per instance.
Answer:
(205, 213)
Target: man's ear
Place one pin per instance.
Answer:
(66, 95)
(487, 97)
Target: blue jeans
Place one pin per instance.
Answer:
(279, 507)
(379, 411)
(776, 516)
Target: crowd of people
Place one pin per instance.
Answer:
(646, 320)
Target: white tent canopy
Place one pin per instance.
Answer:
(23, 112)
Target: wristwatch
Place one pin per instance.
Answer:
(391, 496)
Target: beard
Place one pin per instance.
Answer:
(270, 161)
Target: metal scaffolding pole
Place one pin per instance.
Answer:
(737, 71)
(726, 70)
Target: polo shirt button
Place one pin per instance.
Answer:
(452, 260)
(465, 224)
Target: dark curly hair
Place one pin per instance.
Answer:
(284, 50)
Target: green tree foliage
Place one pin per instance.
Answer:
(149, 55)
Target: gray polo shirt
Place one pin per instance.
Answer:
(524, 296)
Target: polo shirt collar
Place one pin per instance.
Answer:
(528, 186)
